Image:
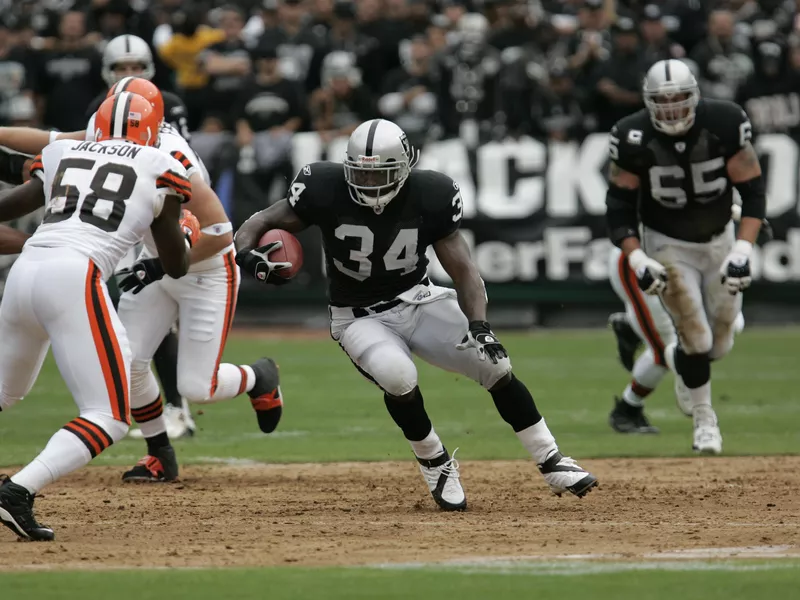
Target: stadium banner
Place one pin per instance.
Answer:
(534, 211)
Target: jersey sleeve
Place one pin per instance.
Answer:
(448, 208)
(44, 165)
(732, 127)
(301, 195)
(173, 180)
(622, 145)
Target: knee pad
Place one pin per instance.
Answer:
(116, 430)
(694, 369)
(391, 369)
(492, 374)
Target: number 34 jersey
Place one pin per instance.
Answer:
(685, 191)
(101, 197)
(370, 257)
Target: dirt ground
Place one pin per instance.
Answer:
(366, 513)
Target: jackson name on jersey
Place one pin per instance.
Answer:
(685, 191)
(101, 197)
(371, 258)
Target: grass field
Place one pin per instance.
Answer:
(333, 415)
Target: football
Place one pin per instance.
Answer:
(291, 251)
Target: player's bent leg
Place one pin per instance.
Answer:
(177, 414)
(383, 357)
(623, 324)
(148, 317)
(440, 327)
(207, 303)
(628, 414)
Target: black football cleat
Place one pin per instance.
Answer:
(16, 513)
(625, 418)
(627, 340)
(159, 467)
(266, 395)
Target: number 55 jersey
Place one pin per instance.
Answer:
(685, 191)
(102, 197)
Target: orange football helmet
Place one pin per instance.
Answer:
(144, 88)
(127, 116)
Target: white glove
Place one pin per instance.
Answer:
(735, 270)
(651, 274)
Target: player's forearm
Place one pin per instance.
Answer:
(749, 228)
(208, 246)
(278, 216)
(471, 294)
(21, 200)
(24, 139)
(12, 240)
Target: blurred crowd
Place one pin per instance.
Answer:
(253, 72)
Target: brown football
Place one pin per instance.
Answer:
(291, 251)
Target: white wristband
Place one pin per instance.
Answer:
(217, 229)
(743, 247)
(53, 136)
(636, 259)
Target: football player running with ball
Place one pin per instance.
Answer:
(377, 217)
(673, 168)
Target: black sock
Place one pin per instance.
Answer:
(409, 413)
(156, 442)
(515, 404)
(166, 361)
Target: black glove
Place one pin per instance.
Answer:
(140, 274)
(481, 337)
(256, 263)
(765, 234)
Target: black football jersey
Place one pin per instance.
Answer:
(372, 257)
(174, 112)
(685, 191)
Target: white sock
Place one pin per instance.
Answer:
(538, 440)
(429, 448)
(63, 454)
(632, 398)
(701, 396)
(232, 381)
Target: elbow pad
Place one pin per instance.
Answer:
(12, 166)
(754, 197)
(621, 213)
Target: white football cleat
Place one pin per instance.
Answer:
(441, 475)
(179, 421)
(707, 436)
(563, 474)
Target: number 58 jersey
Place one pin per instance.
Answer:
(102, 197)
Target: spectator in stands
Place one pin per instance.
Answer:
(467, 78)
(227, 63)
(436, 31)
(69, 76)
(558, 112)
(344, 35)
(322, 14)
(409, 97)
(722, 59)
(270, 110)
(591, 44)
(342, 103)
(526, 27)
(15, 80)
(656, 43)
(771, 95)
(189, 38)
(300, 48)
(418, 17)
(619, 78)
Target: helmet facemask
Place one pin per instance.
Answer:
(672, 112)
(374, 183)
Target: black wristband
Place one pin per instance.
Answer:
(480, 325)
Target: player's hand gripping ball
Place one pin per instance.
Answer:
(278, 258)
(190, 226)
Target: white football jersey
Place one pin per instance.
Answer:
(102, 197)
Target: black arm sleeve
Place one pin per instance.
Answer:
(621, 213)
(11, 166)
(754, 197)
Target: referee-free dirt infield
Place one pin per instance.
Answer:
(332, 505)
